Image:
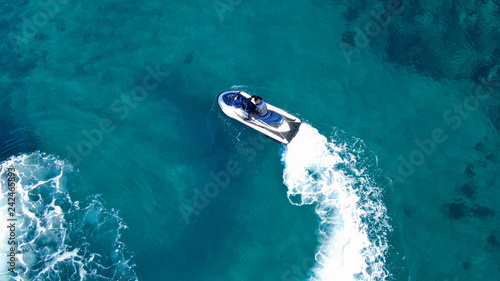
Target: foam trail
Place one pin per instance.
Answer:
(340, 178)
(56, 238)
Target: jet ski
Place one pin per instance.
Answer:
(276, 123)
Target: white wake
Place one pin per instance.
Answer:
(336, 178)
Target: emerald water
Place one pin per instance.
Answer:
(126, 169)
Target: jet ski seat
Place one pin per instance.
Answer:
(271, 118)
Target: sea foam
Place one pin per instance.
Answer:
(56, 238)
(339, 178)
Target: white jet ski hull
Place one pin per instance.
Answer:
(283, 133)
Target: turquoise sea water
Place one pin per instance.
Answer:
(126, 169)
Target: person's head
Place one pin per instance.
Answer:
(258, 100)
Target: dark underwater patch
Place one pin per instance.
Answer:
(493, 241)
(456, 210)
(418, 38)
(481, 211)
(467, 265)
(469, 191)
(409, 210)
(189, 57)
(460, 209)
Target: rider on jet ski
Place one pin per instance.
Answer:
(254, 105)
